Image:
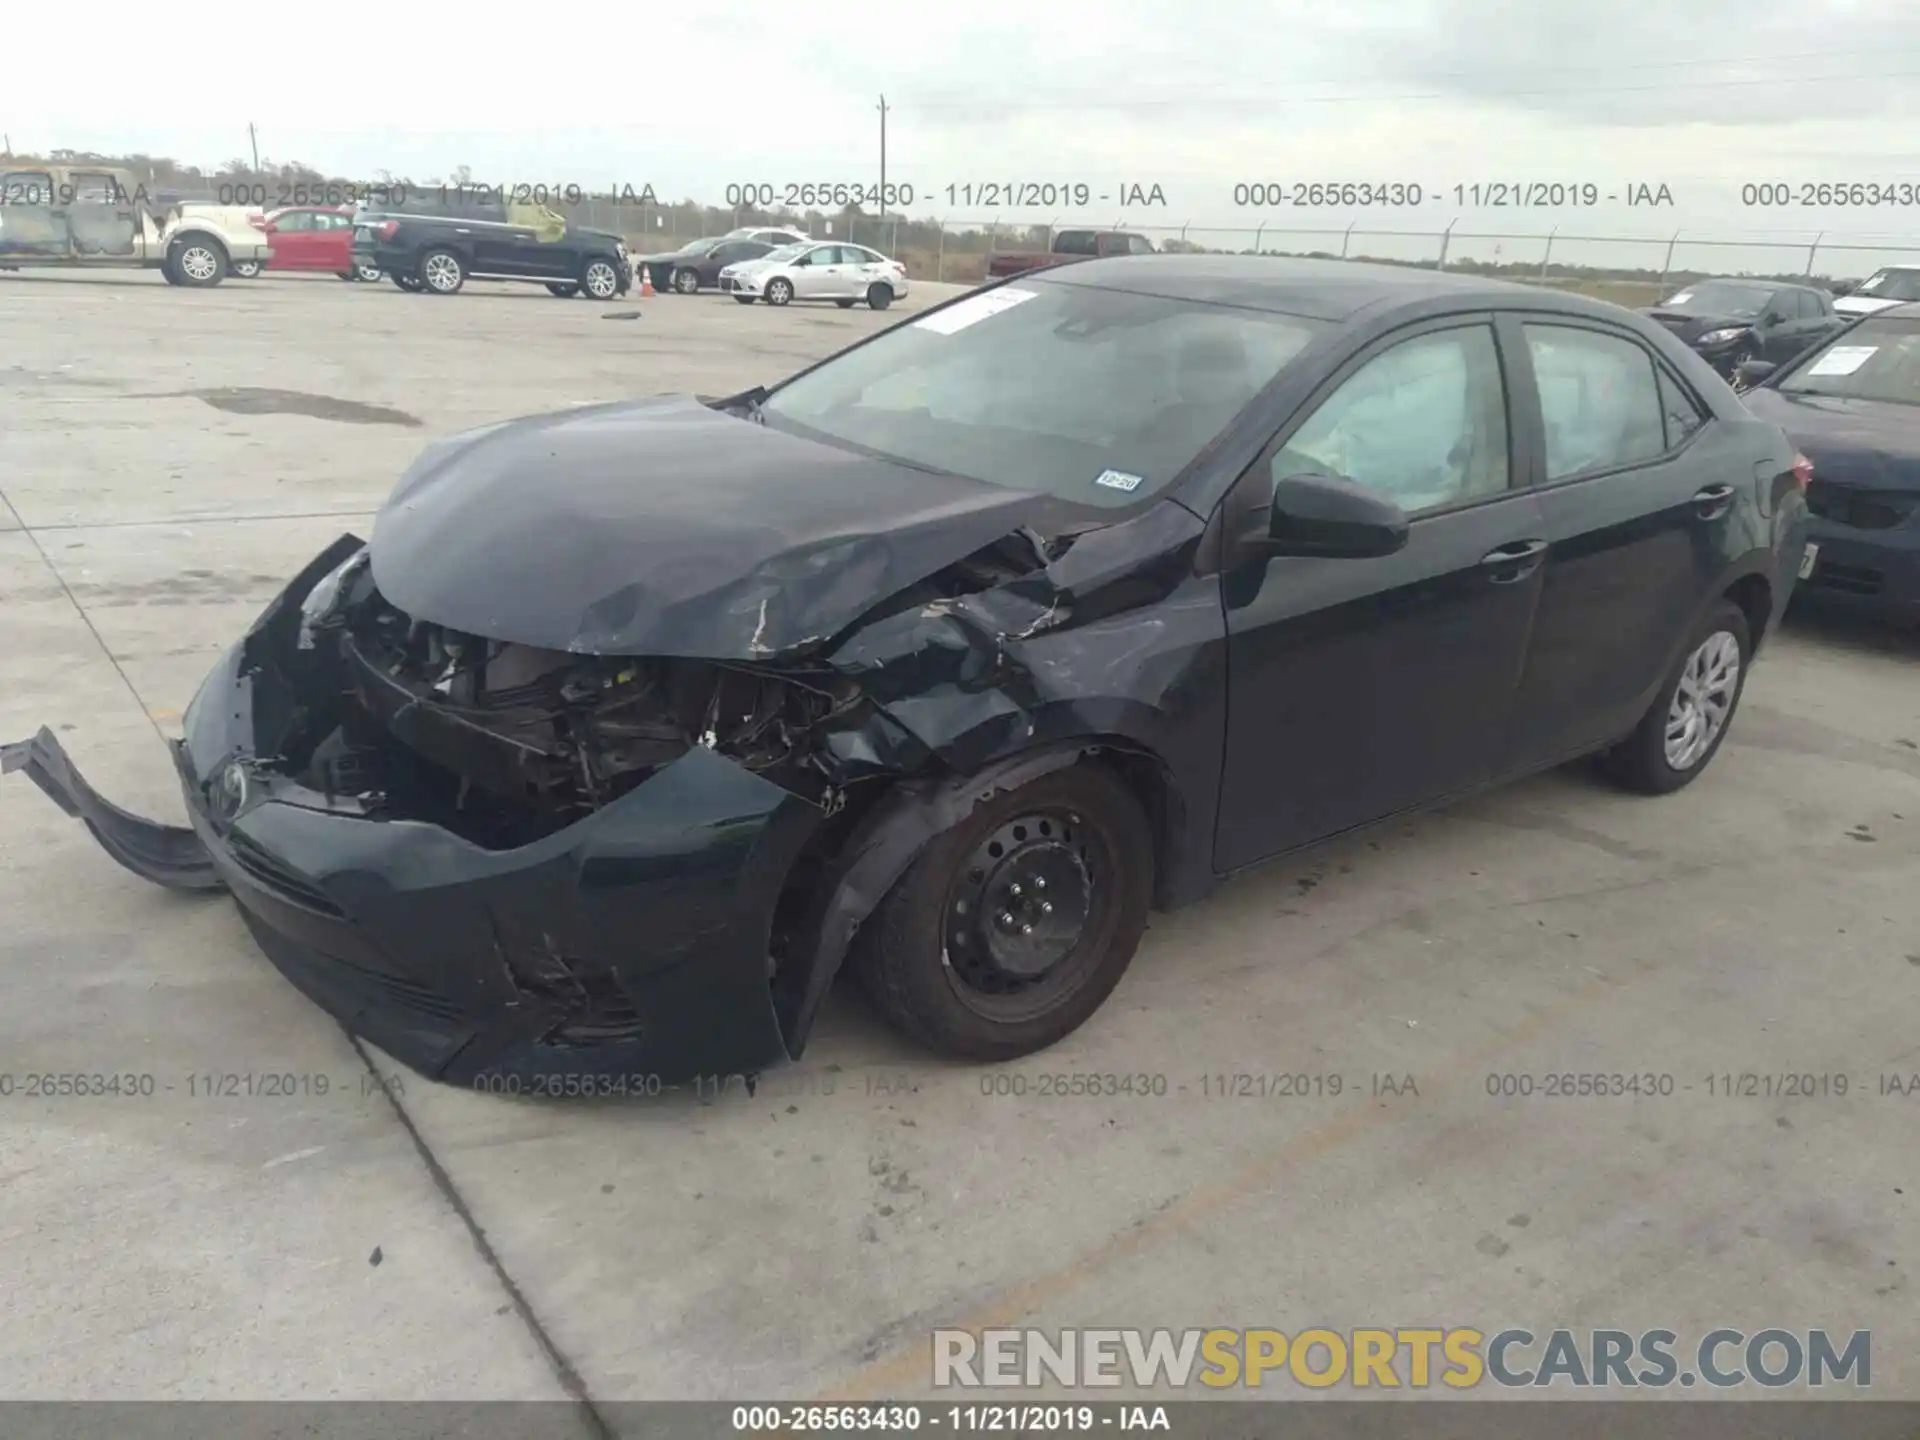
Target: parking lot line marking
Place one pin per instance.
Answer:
(907, 1369)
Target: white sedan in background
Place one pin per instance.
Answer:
(818, 270)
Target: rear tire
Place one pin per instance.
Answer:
(951, 957)
(743, 299)
(366, 273)
(408, 283)
(844, 304)
(686, 281)
(442, 272)
(879, 297)
(198, 262)
(246, 269)
(1682, 732)
(565, 292)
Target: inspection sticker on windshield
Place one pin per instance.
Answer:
(1118, 480)
(1681, 298)
(973, 310)
(1843, 360)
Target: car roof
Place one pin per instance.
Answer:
(1313, 289)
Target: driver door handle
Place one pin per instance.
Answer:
(1713, 502)
(1513, 561)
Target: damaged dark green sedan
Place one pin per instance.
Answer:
(952, 656)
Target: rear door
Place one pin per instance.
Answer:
(1361, 687)
(101, 220)
(332, 241)
(1637, 486)
(295, 240)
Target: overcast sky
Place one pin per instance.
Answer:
(1698, 94)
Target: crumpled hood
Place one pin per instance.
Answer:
(1866, 443)
(664, 527)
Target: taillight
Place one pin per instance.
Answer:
(389, 229)
(1802, 470)
(259, 222)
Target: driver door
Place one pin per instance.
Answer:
(101, 221)
(1358, 688)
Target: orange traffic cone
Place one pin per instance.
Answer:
(646, 281)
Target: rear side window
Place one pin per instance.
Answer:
(1075, 242)
(1681, 411)
(26, 187)
(1598, 397)
(1139, 245)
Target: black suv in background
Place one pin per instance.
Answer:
(1731, 321)
(436, 245)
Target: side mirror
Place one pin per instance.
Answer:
(1773, 317)
(1752, 372)
(1319, 515)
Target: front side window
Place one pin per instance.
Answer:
(1100, 397)
(1892, 285)
(26, 187)
(97, 189)
(295, 222)
(1076, 242)
(1423, 423)
(1682, 411)
(1139, 245)
(1598, 397)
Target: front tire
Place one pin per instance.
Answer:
(879, 296)
(686, 281)
(779, 291)
(743, 299)
(442, 273)
(247, 269)
(1013, 927)
(1683, 729)
(599, 280)
(565, 292)
(200, 263)
(366, 273)
(409, 283)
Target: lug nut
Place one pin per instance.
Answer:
(1026, 929)
(1046, 907)
(1039, 882)
(1014, 889)
(1006, 919)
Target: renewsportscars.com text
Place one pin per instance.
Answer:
(1459, 1358)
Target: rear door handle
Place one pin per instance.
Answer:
(1713, 502)
(1514, 561)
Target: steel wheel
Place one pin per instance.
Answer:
(1709, 683)
(779, 291)
(686, 281)
(1018, 911)
(441, 272)
(600, 280)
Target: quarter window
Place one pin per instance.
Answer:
(1682, 412)
(1599, 398)
(1424, 423)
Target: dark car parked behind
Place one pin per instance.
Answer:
(436, 245)
(953, 653)
(1730, 322)
(1853, 408)
(698, 264)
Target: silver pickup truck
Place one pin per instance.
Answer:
(97, 216)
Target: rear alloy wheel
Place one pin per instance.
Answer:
(565, 292)
(600, 280)
(368, 273)
(779, 291)
(247, 269)
(1013, 927)
(686, 281)
(442, 273)
(199, 263)
(879, 296)
(1683, 729)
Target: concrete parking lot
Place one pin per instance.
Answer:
(169, 457)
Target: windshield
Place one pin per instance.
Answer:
(1098, 396)
(1720, 297)
(1875, 360)
(1892, 285)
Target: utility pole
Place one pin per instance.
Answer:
(253, 139)
(883, 157)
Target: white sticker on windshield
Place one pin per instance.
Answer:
(1681, 298)
(1843, 359)
(1118, 480)
(972, 310)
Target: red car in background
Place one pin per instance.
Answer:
(310, 237)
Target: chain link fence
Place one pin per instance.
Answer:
(1631, 270)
